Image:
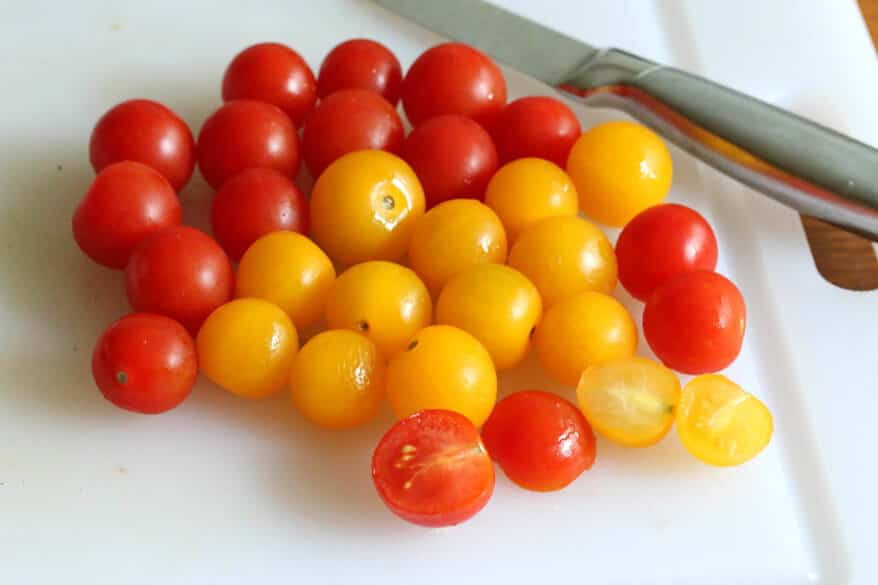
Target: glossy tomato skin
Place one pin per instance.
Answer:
(542, 441)
(536, 126)
(453, 78)
(127, 202)
(146, 132)
(145, 363)
(360, 64)
(695, 322)
(275, 74)
(254, 203)
(349, 120)
(432, 469)
(244, 134)
(660, 243)
(453, 156)
(181, 273)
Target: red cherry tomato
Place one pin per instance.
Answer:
(145, 363)
(453, 157)
(453, 78)
(536, 126)
(181, 273)
(146, 132)
(254, 203)
(275, 74)
(126, 202)
(349, 120)
(695, 322)
(432, 469)
(246, 134)
(541, 440)
(660, 243)
(360, 64)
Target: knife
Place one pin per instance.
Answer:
(808, 167)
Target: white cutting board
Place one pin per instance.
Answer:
(225, 491)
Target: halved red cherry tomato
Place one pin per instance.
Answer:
(660, 243)
(453, 157)
(453, 78)
(695, 322)
(349, 120)
(360, 64)
(147, 132)
(275, 74)
(432, 469)
(145, 363)
(541, 440)
(246, 134)
(536, 126)
(254, 203)
(127, 202)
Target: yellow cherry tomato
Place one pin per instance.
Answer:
(446, 368)
(498, 305)
(721, 424)
(364, 207)
(564, 256)
(453, 236)
(619, 168)
(630, 401)
(289, 270)
(247, 346)
(527, 190)
(587, 329)
(384, 301)
(337, 380)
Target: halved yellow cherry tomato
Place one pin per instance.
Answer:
(630, 401)
(720, 423)
(620, 168)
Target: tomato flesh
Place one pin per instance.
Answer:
(363, 64)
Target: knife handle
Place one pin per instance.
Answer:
(799, 163)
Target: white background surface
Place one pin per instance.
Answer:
(227, 491)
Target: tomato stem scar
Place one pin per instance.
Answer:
(121, 377)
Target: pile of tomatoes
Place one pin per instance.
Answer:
(418, 266)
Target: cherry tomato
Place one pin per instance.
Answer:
(721, 424)
(127, 202)
(564, 256)
(536, 126)
(587, 329)
(244, 134)
(181, 273)
(253, 203)
(337, 380)
(453, 236)
(527, 190)
(453, 157)
(695, 322)
(365, 206)
(630, 401)
(346, 121)
(498, 305)
(275, 74)
(432, 469)
(619, 168)
(145, 363)
(289, 270)
(443, 367)
(360, 64)
(660, 243)
(453, 78)
(384, 301)
(146, 132)
(540, 440)
(247, 347)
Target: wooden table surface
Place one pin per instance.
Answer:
(842, 258)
